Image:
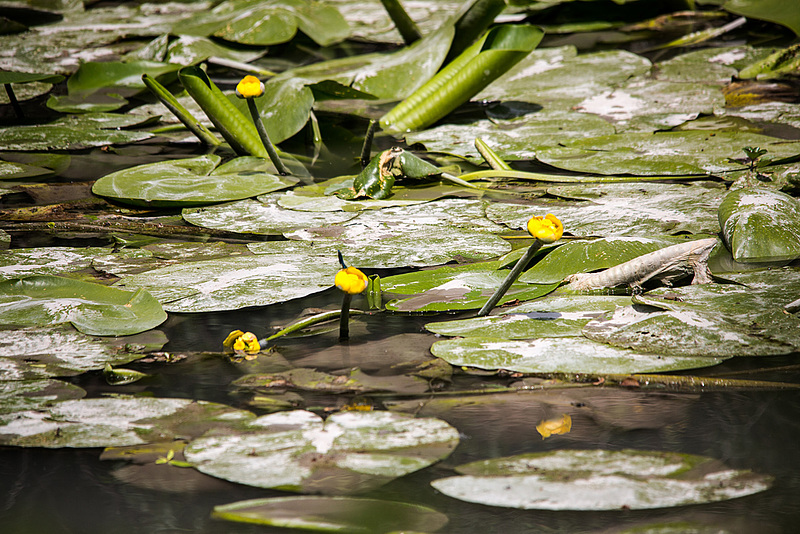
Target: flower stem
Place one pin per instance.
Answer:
(366, 148)
(262, 133)
(344, 318)
(511, 278)
(12, 98)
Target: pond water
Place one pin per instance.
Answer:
(71, 491)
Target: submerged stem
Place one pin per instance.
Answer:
(366, 148)
(262, 133)
(511, 278)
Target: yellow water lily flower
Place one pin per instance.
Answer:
(239, 341)
(547, 229)
(250, 87)
(351, 280)
(560, 425)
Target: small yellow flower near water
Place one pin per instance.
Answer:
(351, 280)
(249, 87)
(239, 341)
(547, 229)
(560, 425)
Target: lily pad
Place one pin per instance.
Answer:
(40, 352)
(761, 225)
(192, 181)
(21, 395)
(91, 308)
(420, 235)
(355, 381)
(559, 355)
(233, 283)
(263, 216)
(334, 514)
(349, 452)
(114, 422)
(645, 210)
(20, 262)
(787, 14)
(600, 480)
(584, 256)
(65, 136)
(662, 153)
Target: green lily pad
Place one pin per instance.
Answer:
(645, 210)
(761, 225)
(600, 480)
(419, 235)
(542, 76)
(192, 181)
(662, 153)
(558, 355)
(551, 316)
(42, 352)
(91, 308)
(334, 514)
(263, 216)
(514, 131)
(22, 395)
(115, 422)
(188, 50)
(16, 171)
(21, 262)
(62, 135)
(585, 256)
(784, 13)
(349, 452)
(233, 283)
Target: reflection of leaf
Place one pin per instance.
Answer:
(560, 425)
(334, 514)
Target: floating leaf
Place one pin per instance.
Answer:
(761, 225)
(192, 181)
(600, 480)
(114, 422)
(349, 452)
(550, 427)
(312, 380)
(233, 283)
(91, 308)
(334, 514)
(585, 256)
(40, 352)
(661, 153)
(646, 210)
(420, 235)
(777, 11)
(22, 395)
(558, 355)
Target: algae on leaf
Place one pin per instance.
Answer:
(600, 480)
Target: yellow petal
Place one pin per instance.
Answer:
(232, 337)
(547, 229)
(561, 425)
(351, 280)
(249, 87)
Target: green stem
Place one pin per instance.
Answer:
(490, 157)
(510, 279)
(262, 133)
(408, 30)
(344, 319)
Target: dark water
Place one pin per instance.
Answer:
(72, 491)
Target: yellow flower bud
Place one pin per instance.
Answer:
(247, 342)
(351, 280)
(547, 229)
(561, 425)
(249, 87)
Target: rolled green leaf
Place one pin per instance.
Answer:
(500, 49)
(491, 158)
(235, 127)
(183, 114)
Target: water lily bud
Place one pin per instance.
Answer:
(547, 229)
(250, 87)
(351, 280)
